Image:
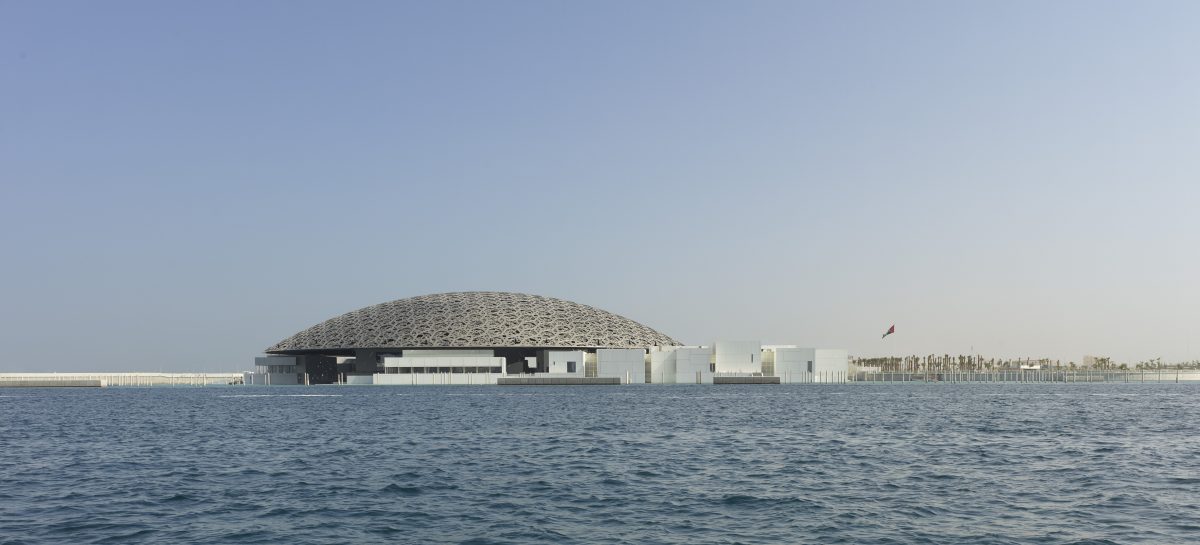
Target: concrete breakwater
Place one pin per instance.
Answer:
(42, 380)
(35, 383)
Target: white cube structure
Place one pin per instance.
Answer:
(830, 365)
(565, 362)
(662, 365)
(627, 364)
(693, 365)
(738, 357)
(795, 365)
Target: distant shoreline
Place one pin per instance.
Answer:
(1089, 376)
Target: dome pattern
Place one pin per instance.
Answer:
(474, 320)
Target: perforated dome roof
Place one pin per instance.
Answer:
(474, 319)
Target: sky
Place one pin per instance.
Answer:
(183, 184)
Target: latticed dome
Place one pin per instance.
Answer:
(474, 320)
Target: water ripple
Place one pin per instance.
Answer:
(874, 464)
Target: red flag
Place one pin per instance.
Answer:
(889, 331)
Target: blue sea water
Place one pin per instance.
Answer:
(878, 463)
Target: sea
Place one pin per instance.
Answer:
(984, 463)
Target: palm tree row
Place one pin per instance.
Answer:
(960, 362)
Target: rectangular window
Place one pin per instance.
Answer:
(570, 367)
(495, 369)
(457, 369)
(443, 369)
(404, 370)
(810, 366)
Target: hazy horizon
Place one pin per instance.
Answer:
(186, 184)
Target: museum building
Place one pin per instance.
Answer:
(511, 338)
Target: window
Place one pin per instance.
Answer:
(443, 369)
(495, 369)
(810, 366)
(570, 367)
(457, 369)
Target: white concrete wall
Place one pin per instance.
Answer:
(792, 364)
(693, 365)
(443, 362)
(831, 365)
(557, 362)
(795, 365)
(433, 379)
(628, 364)
(662, 366)
(465, 367)
(738, 356)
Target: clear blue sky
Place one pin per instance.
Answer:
(184, 183)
